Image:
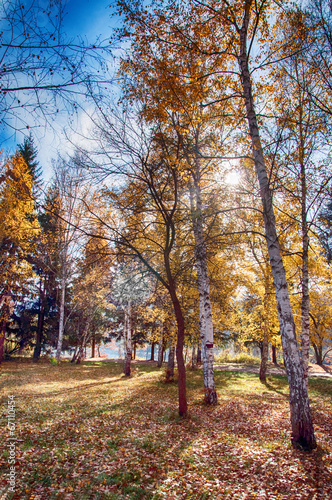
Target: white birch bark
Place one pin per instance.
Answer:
(305, 333)
(205, 310)
(302, 428)
(128, 343)
(62, 312)
(161, 346)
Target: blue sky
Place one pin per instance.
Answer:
(87, 19)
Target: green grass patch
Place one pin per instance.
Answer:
(84, 431)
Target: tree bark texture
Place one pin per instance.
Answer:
(203, 284)
(302, 427)
(128, 343)
(161, 346)
(183, 406)
(62, 314)
(40, 324)
(85, 339)
(305, 334)
(264, 356)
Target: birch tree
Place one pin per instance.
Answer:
(69, 213)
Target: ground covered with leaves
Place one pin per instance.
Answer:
(87, 432)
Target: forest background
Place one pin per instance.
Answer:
(195, 207)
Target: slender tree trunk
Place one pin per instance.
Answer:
(3, 324)
(318, 353)
(183, 407)
(128, 348)
(305, 334)
(302, 427)
(6, 310)
(199, 355)
(193, 357)
(85, 339)
(134, 350)
(73, 359)
(205, 313)
(152, 351)
(170, 364)
(274, 354)
(161, 346)
(264, 356)
(93, 345)
(40, 322)
(62, 313)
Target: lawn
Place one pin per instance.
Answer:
(87, 432)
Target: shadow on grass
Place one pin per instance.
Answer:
(136, 440)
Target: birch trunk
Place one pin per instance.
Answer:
(40, 322)
(305, 334)
(85, 338)
(302, 427)
(128, 347)
(62, 313)
(203, 284)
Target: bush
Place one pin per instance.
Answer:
(225, 357)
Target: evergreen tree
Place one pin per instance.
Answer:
(29, 153)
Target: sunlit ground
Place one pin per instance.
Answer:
(86, 432)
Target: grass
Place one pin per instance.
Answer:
(87, 432)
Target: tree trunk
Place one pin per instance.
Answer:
(318, 353)
(205, 313)
(183, 407)
(3, 324)
(305, 334)
(40, 323)
(73, 359)
(302, 427)
(274, 354)
(264, 356)
(199, 355)
(127, 334)
(193, 357)
(62, 314)
(170, 365)
(134, 350)
(161, 346)
(93, 345)
(6, 310)
(152, 351)
(85, 340)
